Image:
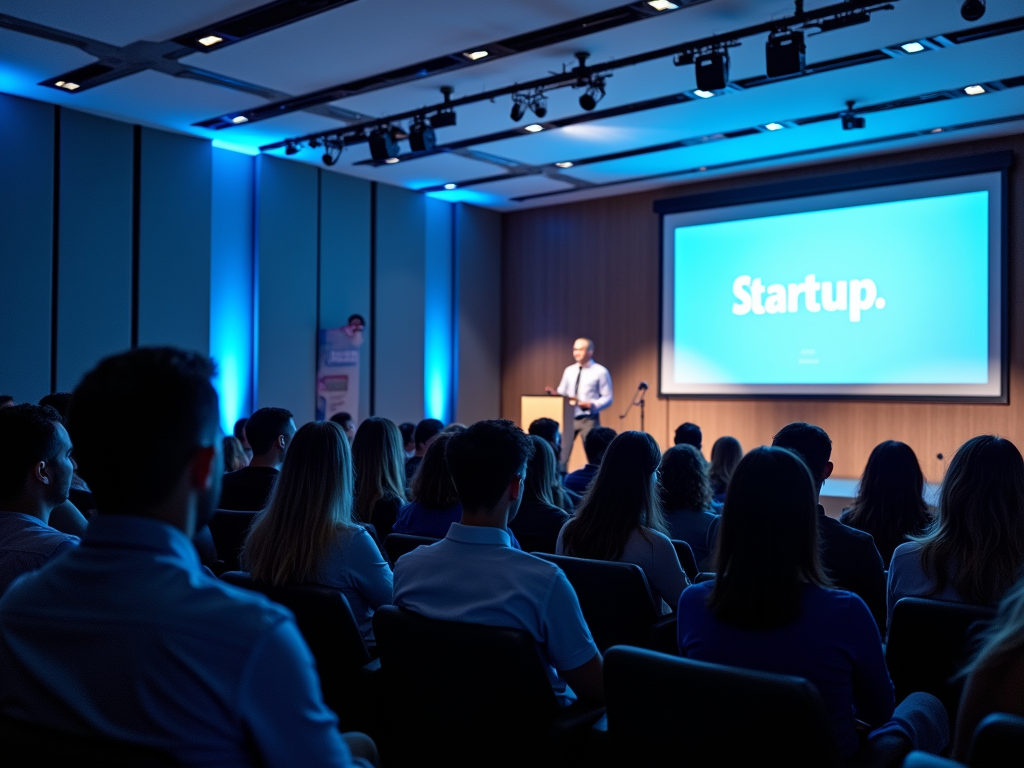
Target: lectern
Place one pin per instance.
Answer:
(555, 407)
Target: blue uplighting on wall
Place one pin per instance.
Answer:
(438, 329)
(231, 283)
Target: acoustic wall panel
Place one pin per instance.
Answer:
(26, 247)
(94, 291)
(439, 317)
(286, 248)
(174, 241)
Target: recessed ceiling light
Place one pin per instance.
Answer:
(914, 47)
(59, 83)
(775, 126)
(534, 128)
(449, 185)
(702, 168)
(474, 55)
(239, 119)
(974, 90)
(704, 94)
(391, 160)
(210, 40)
(935, 130)
(66, 85)
(564, 164)
(662, 5)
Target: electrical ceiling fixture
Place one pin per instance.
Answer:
(383, 145)
(662, 5)
(972, 10)
(332, 151)
(784, 53)
(239, 119)
(421, 136)
(974, 90)
(914, 47)
(594, 93)
(291, 149)
(539, 104)
(774, 126)
(66, 85)
(477, 55)
(518, 107)
(445, 116)
(712, 70)
(449, 185)
(851, 121)
(534, 128)
(564, 164)
(210, 40)
(391, 160)
(704, 94)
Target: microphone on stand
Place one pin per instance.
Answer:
(638, 399)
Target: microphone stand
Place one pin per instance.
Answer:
(638, 399)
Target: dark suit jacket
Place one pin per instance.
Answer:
(247, 489)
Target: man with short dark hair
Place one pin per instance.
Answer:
(35, 476)
(347, 424)
(594, 444)
(848, 555)
(549, 430)
(408, 430)
(125, 637)
(270, 432)
(426, 432)
(689, 434)
(474, 575)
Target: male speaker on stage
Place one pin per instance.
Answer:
(588, 385)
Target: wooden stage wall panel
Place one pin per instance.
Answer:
(591, 269)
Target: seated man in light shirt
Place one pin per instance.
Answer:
(588, 385)
(473, 575)
(125, 637)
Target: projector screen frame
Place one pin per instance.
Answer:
(1000, 162)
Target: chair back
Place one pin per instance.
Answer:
(202, 540)
(464, 694)
(27, 745)
(998, 742)
(686, 558)
(929, 643)
(614, 597)
(663, 710)
(229, 529)
(397, 544)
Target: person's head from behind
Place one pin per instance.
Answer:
(60, 402)
(684, 479)
(979, 531)
(767, 548)
(6, 401)
(432, 485)
(541, 473)
(549, 430)
(379, 464)
(622, 498)
(291, 539)
(239, 432)
(35, 460)
(488, 467)
(725, 455)
(408, 430)
(347, 424)
(426, 432)
(596, 443)
(890, 495)
(235, 457)
(270, 432)
(812, 444)
(177, 479)
(688, 434)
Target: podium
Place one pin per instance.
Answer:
(557, 407)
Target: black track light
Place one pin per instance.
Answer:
(328, 159)
(712, 70)
(421, 136)
(291, 149)
(518, 107)
(851, 120)
(972, 10)
(332, 151)
(538, 104)
(446, 115)
(383, 144)
(593, 94)
(784, 53)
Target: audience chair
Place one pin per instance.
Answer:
(329, 628)
(997, 742)
(686, 558)
(918, 759)
(664, 710)
(704, 576)
(397, 544)
(469, 695)
(537, 544)
(929, 643)
(229, 529)
(207, 550)
(26, 745)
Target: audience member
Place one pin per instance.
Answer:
(60, 402)
(380, 474)
(539, 518)
(125, 637)
(550, 431)
(234, 454)
(408, 430)
(725, 455)
(475, 576)
(434, 504)
(890, 499)
(70, 517)
(849, 556)
(770, 608)
(974, 551)
(239, 432)
(426, 432)
(270, 431)
(594, 445)
(688, 434)
(621, 520)
(686, 499)
(306, 534)
(6, 401)
(35, 476)
(455, 426)
(347, 424)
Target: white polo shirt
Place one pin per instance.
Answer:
(473, 575)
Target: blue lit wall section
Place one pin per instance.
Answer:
(438, 328)
(231, 283)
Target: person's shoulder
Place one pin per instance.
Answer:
(249, 614)
(658, 538)
(839, 529)
(838, 603)
(695, 597)
(598, 368)
(906, 554)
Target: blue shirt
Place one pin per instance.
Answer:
(595, 386)
(473, 575)
(27, 544)
(834, 644)
(355, 568)
(125, 637)
(579, 481)
(417, 520)
(691, 526)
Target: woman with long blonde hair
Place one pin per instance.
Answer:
(379, 464)
(306, 534)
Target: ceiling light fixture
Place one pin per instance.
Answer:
(291, 149)
(564, 164)
(210, 40)
(518, 107)
(534, 128)
(712, 70)
(974, 90)
(383, 145)
(972, 10)
(851, 121)
(914, 47)
(66, 85)
(421, 136)
(774, 126)
(449, 185)
(538, 104)
(332, 151)
(239, 119)
(704, 94)
(477, 55)
(662, 5)
(391, 160)
(593, 94)
(784, 53)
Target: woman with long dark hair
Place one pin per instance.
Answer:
(725, 455)
(890, 504)
(974, 550)
(771, 609)
(434, 504)
(539, 518)
(620, 518)
(686, 499)
(379, 465)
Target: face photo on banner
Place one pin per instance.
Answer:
(337, 376)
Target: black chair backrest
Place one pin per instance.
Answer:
(229, 529)
(397, 544)
(929, 643)
(663, 710)
(686, 558)
(614, 597)
(704, 576)
(464, 694)
(27, 745)
(537, 544)
(205, 546)
(998, 742)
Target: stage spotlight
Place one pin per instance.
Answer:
(593, 94)
(383, 144)
(974, 90)
(291, 149)
(443, 119)
(972, 10)
(518, 107)
(332, 151)
(851, 120)
(784, 53)
(712, 71)
(450, 185)
(539, 104)
(421, 136)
